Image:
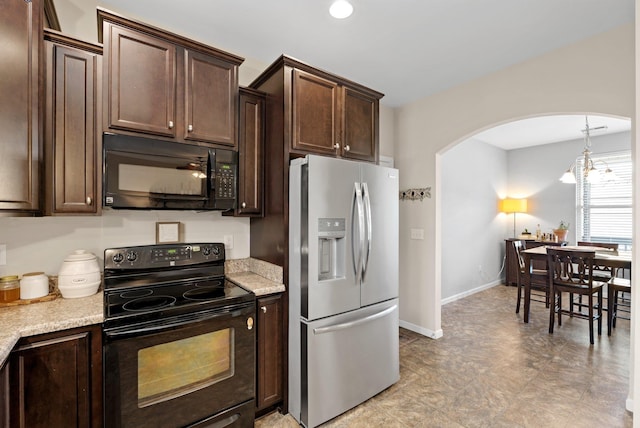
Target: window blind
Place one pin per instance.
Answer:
(604, 209)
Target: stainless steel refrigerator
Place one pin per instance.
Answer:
(343, 285)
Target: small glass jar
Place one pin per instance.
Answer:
(9, 288)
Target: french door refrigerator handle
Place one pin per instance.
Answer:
(367, 247)
(359, 217)
(350, 324)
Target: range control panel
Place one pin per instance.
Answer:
(153, 256)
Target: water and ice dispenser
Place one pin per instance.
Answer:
(331, 248)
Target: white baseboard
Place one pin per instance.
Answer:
(421, 330)
(439, 333)
(470, 292)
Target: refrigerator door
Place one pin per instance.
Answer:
(348, 359)
(381, 202)
(331, 236)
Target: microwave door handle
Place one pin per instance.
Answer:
(211, 172)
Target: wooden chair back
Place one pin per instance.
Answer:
(608, 245)
(518, 247)
(570, 268)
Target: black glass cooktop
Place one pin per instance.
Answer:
(170, 297)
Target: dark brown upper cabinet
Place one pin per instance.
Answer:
(315, 114)
(21, 90)
(359, 132)
(251, 154)
(160, 83)
(333, 117)
(210, 99)
(72, 149)
(141, 90)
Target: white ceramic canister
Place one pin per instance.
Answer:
(79, 275)
(34, 285)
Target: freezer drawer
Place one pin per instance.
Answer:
(347, 359)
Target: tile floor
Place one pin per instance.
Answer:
(492, 370)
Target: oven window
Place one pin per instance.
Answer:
(172, 369)
(188, 180)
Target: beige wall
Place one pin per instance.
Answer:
(387, 131)
(593, 76)
(78, 18)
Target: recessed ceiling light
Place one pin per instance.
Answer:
(341, 9)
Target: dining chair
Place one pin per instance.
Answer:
(538, 279)
(618, 296)
(600, 273)
(571, 271)
(610, 245)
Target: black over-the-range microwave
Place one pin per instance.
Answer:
(145, 173)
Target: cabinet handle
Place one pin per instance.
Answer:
(244, 205)
(347, 148)
(264, 309)
(336, 146)
(89, 200)
(190, 128)
(171, 124)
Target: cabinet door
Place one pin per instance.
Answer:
(269, 349)
(210, 99)
(251, 154)
(70, 134)
(315, 114)
(56, 380)
(359, 125)
(20, 91)
(4, 394)
(141, 86)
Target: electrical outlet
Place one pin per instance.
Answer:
(3, 254)
(228, 242)
(417, 233)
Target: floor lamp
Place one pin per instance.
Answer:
(513, 206)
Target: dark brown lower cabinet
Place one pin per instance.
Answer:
(4, 394)
(56, 379)
(269, 353)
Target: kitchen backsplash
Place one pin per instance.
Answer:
(41, 244)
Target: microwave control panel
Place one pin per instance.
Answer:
(225, 181)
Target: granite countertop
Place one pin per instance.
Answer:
(255, 283)
(18, 321)
(46, 317)
(255, 275)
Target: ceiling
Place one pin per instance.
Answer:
(550, 129)
(407, 49)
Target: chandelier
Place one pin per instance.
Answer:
(589, 171)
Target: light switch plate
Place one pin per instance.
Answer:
(417, 233)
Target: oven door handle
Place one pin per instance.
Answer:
(179, 322)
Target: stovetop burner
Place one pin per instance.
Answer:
(158, 281)
(148, 303)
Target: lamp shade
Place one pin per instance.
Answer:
(509, 205)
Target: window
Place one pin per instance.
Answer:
(604, 209)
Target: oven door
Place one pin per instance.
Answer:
(180, 371)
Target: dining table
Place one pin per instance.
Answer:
(604, 257)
